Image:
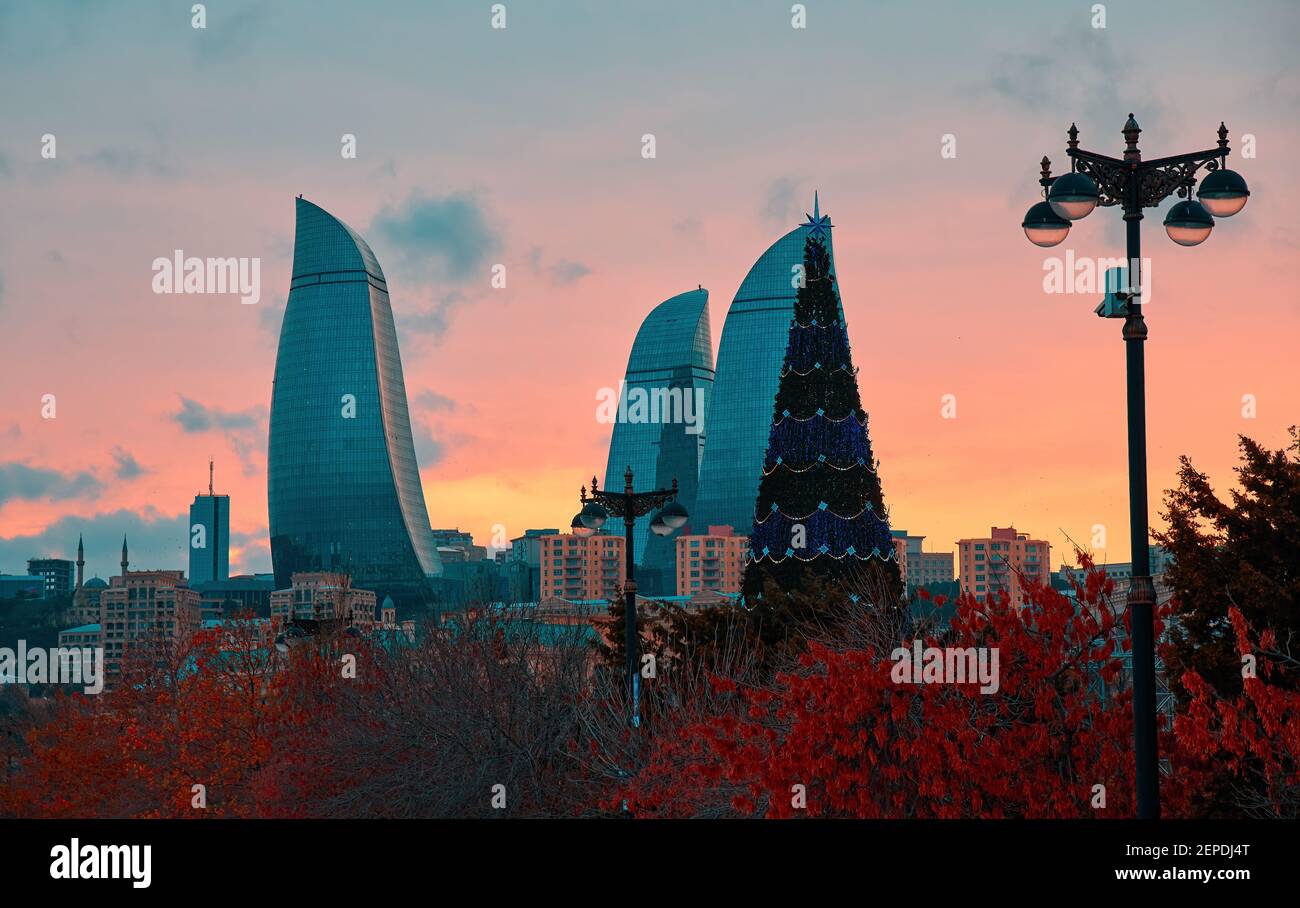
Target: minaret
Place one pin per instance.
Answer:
(125, 562)
(81, 561)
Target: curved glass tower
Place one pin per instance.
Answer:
(343, 486)
(659, 431)
(750, 354)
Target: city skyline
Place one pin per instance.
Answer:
(149, 386)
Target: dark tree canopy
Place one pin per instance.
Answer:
(1243, 551)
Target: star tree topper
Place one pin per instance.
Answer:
(818, 222)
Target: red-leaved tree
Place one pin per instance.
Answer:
(837, 735)
(1250, 741)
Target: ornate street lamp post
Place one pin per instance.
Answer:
(598, 507)
(1134, 184)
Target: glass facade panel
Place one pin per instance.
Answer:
(740, 414)
(344, 488)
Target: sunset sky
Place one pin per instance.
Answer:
(522, 146)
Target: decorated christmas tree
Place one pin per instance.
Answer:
(820, 520)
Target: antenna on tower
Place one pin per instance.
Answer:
(210, 472)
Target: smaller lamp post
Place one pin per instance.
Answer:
(597, 508)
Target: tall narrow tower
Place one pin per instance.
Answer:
(343, 485)
(81, 561)
(125, 561)
(659, 427)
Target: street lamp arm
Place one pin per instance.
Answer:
(1158, 178)
(1159, 182)
(1200, 157)
(645, 502)
(1082, 154)
(1110, 175)
(619, 504)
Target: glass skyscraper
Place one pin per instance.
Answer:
(750, 354)
(343, 485)
(659, 431)
(209, 538)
